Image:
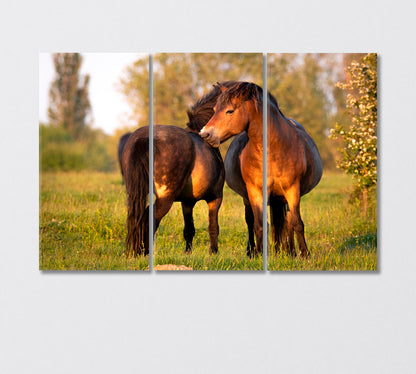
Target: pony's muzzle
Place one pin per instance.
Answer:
(210, 136)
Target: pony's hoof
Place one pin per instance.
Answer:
(253, 254)
(188, 250)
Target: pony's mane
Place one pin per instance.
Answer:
(246, 91)
(243, 91)
(272, 100)
(202, 111)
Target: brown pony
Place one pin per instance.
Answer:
(186, 169)
(294, 166)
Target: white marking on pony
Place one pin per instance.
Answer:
(202, 130)
(160, 189)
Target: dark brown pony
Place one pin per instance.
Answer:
(186, 169)
(294, 165)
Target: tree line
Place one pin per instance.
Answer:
(303, 84)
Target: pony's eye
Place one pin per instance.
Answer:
(229, 111)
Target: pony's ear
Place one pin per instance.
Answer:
(223, 88)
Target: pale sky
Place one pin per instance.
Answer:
(109, 107)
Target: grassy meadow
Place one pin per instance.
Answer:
(83, 223)
(82, 227)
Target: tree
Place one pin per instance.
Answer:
(359, 156)
(134, 84)
(69, 105)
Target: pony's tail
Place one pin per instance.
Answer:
(137, 186)
(278, 210)
(121, 144)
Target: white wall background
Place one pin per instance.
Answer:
(217, 322)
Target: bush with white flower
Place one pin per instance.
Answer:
(359, 155)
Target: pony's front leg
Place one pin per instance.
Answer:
(249, 216)
(295, 221)
(255, 196)
(189, 228)
(289, 239)
(213, 228)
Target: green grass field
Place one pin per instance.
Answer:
(82, 223)
(82, 227)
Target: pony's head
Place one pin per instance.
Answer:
(202, 111)
(234, 110)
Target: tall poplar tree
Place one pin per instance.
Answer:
(69, 105)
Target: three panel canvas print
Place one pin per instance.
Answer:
(215, 174)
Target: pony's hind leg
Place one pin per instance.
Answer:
(213, 228)
(161, 208)
(249, 216)
(189, 228)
